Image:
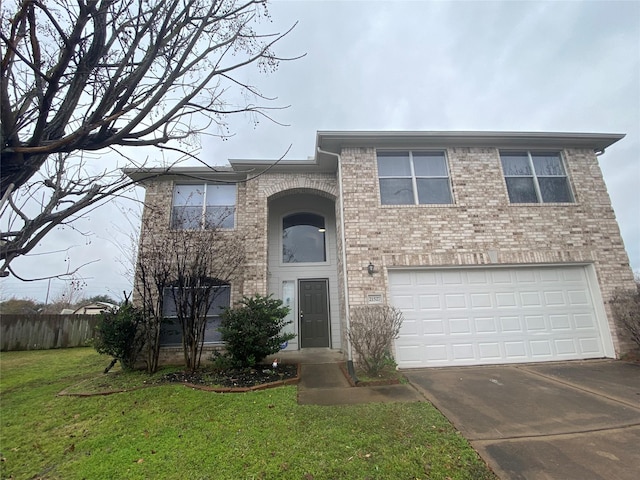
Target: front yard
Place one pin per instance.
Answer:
(173, 432)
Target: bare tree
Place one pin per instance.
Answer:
(89, 75)
(188, 269)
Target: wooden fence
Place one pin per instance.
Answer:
(42, 332)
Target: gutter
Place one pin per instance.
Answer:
(344, 256)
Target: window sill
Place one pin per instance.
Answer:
(547, 204)
(421, 205)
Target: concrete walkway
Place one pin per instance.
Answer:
(572, 420)
(322, 382)
(325, 384)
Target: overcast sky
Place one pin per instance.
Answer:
(450, 65)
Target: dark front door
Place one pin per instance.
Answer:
(314, 314)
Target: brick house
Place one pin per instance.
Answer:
(498, 247)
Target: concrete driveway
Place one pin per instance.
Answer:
(572, 420)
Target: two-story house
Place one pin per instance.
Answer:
(498, 247)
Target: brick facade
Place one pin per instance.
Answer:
(481, 220)
(480, 227)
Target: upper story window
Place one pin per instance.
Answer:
(303, 238)
(535, 177)
(411, 178)
(205, 206)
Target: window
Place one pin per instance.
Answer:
(410, 178)
(203, 206)
(303, 238)
(535, 177)
(171, 331)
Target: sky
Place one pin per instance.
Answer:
(372, 65)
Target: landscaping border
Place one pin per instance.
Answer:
(206, 388)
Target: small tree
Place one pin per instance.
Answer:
(626, 310)
(183, 269)
(119, 335)
(373, 328)
(253, 329)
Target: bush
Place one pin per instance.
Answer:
(118, 334)
(373, 328)
(625, 305)
(253, 329)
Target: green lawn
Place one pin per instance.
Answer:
(172, 432)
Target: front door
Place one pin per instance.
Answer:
(314, 314)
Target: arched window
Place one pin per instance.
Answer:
(303, 238)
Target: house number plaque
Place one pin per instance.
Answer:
(375, 298)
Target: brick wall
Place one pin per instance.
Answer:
(481, 220)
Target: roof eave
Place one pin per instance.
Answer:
(334, 141)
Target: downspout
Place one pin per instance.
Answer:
(344, 254)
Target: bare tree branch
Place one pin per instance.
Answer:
(81, 76)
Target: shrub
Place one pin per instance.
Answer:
(253, 329)
(373, 329)
(119, 334)
(625, 305)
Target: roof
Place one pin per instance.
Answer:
(330, 143)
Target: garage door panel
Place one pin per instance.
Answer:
(501, 277)
(530, 299)
(455, 300)
(560, 322)
(404, 302)
(554, 298)
(550, 275)
(525, 276)
(566, 346)
(452, 277)
(426, 278)
(510, 324)
(590, 345)
(489, 351)
(429, 302)
(506, 299)
(462, 352)
(494, 315)
(486, 325)
(585, 321)
(459, 325)
(477, 277)
(433, 327)
(578, 298)
(535, 323)
(480, 300)
(515, 350)
(540, 349)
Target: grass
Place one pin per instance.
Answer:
(173, 432)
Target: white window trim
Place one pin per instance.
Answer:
(414, 178)
(175, 317)
(203, 215)
(534, 175)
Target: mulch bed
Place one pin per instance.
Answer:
(245, 378)
(391, 378)
(233, 380)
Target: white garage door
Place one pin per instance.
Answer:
(476, 316)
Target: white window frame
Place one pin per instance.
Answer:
(174, 318)
(414, 177)
(203, 217)
(535, 176)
